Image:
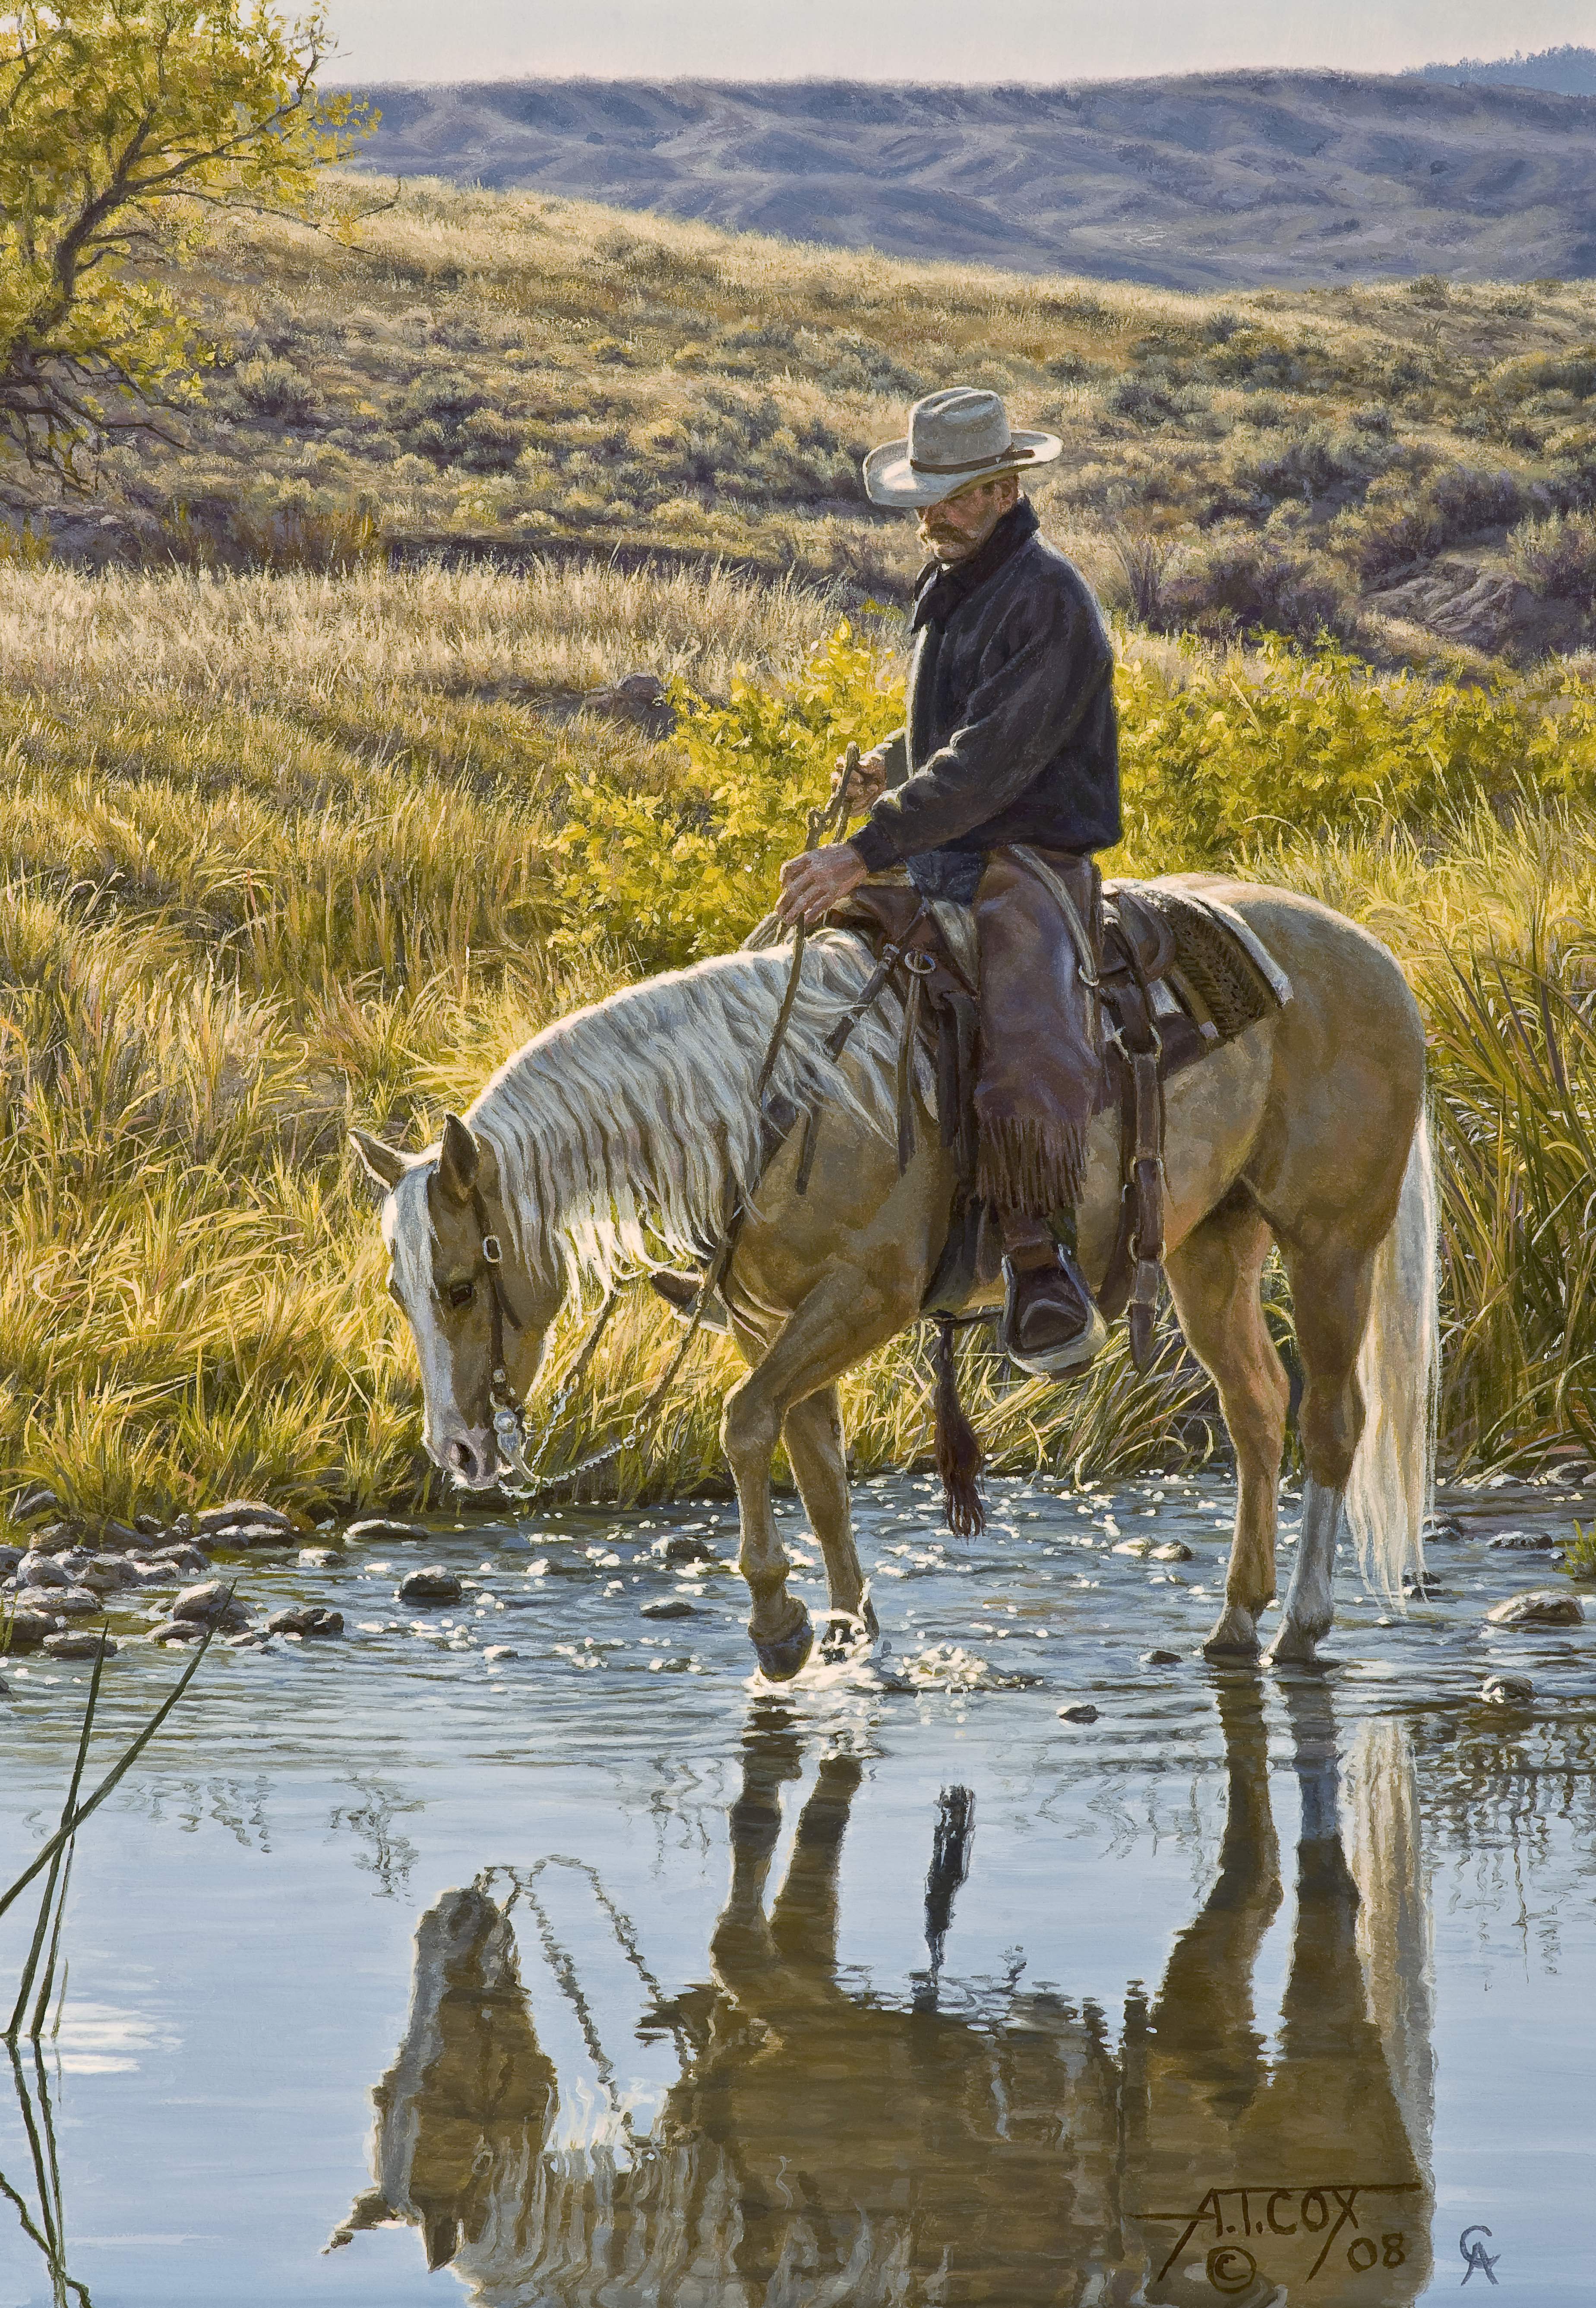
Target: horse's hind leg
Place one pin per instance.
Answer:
(1214, 1277)
(1330, 1291)
(813, 1433)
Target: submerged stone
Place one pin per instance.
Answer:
(1506, 1691)
(1082, 1712)
(433, 1583)
(78, 1643)
(671, 1608)
(382, 1530)
(1542, 1606)
(1161, 1659)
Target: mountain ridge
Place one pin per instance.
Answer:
(1253, 178)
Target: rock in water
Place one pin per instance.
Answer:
(381, 1530)
(433, 1583)
(1542, 1606)
(1080, 1713)
(212, 1604)
(76, 1602)
(240, 1513)
(499, 1651)
(684, 1548)
(311, 1619)
(77, 1643)
(1173, 1550)
(28, 1629)
(1161, 1659)
(1506, 1691)
(41, 1570)
(672, 1609)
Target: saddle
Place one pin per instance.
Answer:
(1179, 975)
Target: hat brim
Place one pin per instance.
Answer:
(890, 479)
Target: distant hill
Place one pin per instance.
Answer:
(1564, 72)
(1243, 178)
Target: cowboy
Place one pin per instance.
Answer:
(1003, 782)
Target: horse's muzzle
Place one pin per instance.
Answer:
(471, 1458)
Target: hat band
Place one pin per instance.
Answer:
(976, 465)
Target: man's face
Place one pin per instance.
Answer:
(961, 525)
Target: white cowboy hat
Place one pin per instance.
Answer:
(955, 437)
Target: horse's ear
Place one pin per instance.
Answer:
(384, 1166)
(458, 1157)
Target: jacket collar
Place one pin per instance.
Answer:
(939, 592)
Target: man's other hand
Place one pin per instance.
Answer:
(817, 880)
(867, 785)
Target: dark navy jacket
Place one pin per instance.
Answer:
(1011, 733)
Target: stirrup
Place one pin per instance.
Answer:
(1070, 1354)
(1056, 1362)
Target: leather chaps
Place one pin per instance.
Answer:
(1040, 1073)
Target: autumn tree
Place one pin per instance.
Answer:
(121, 122)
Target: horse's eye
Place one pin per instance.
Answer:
(460, 1294)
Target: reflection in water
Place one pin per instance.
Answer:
(41, 2211)
(822, 2148)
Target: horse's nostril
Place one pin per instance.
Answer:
(461, 1457)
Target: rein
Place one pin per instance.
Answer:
(509, 1412)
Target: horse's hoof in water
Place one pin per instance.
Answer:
(780, 1661)
(1234, 1640)
(1296, 1647)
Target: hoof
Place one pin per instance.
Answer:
(780, 1661)
(1297, 1646)
(1234, 1637)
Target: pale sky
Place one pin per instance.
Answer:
(1045, 40)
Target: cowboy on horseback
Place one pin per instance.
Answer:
(1003, 782)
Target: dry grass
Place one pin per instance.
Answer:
(501, 372)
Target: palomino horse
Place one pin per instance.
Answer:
(825, 2146)
(635, 1122)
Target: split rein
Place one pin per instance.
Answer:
(509, 1412)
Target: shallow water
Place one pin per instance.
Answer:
(891, 1986)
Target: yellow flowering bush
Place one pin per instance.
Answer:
(689, 872)
(1215, 766)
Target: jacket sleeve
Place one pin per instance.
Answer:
(1022, 711)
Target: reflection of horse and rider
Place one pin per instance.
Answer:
(824, 2146)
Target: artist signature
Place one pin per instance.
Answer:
(1477, 2260)
(1227, 2215)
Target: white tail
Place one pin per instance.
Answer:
(1392, 1486)
(1385, 1854)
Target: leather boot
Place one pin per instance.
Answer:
(1051, 1324)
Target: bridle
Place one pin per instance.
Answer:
(509, 1412)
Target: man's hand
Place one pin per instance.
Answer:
(815, 881)
(867, 785)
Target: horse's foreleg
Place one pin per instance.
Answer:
(1330, 1294)
(1214, 1277)
(846, 1315)
(813, 1433)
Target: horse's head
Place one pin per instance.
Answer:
(467, 1294)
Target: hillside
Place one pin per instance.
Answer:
(1566, 71)
(1413, 465)
(1232, 179)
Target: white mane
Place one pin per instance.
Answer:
(617, 1129)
